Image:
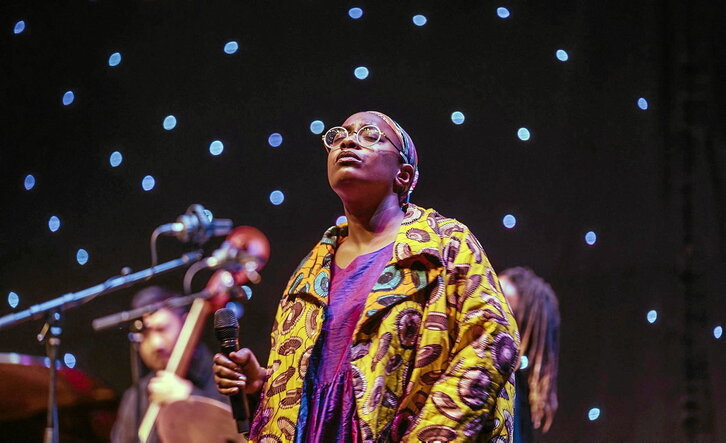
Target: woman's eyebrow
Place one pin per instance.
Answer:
(364, 123)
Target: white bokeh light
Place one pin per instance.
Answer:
(593, 414)
(70, 360)
(524, 363)
(274, 140)
(148, 183)
(503, 12)
(216, 147)
(562, 55)
(590, 238)
(54, 223)
(457, 117)
(82, 256)
(524, 134)
(652, 316)
(13, 299)
(29, 182)
(419, 20)
(361, 72)
(277, 197)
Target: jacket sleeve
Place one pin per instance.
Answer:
(474, 398)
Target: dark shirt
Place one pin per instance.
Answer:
(523, 427)
(200, 374)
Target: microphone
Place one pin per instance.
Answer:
(196, 226)
(226, 328)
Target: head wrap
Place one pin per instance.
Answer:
(408, 149)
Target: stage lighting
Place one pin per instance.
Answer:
(148, 183)
(13, 299)
(316, 127)
(54, 223)
(361, 72)
(231, 47)
(562, 55)
(68, 98)
(114, 59)
(717, 332)
(642, 103)
(524, 363)
(593, 414)
(355, 13)
(82, 256)
(70, 360)
(419, 20)
(590, 238)
(509, 221)
(19, 27)
(523, 134)
(169, 122)
(503, 12)
(277, 197)
(274, 140)
(652, 316)
(216, 147)
(29, 182)
(457, 117)
(115, 159)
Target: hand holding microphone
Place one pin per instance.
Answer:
(239, 377)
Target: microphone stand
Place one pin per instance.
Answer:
(51, 332)
(134, 344)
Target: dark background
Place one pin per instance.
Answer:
(648, 182)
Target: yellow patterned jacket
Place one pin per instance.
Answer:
(433, 353)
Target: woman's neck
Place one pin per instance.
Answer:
(372, 226)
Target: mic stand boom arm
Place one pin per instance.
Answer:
(74, 299)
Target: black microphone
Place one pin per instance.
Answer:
(226, 328)
(196, 225)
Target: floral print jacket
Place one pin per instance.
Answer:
(433, 354)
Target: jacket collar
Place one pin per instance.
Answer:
(417, 236)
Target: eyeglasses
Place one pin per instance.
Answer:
(366, 136)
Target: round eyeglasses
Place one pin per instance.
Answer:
(366, 136)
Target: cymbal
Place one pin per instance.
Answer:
(24, 382)
(197, 420)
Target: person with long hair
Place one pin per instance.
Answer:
(537, 312)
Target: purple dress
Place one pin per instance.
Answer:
(331, 411)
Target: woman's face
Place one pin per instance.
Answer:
(510, 292)
(356, 171)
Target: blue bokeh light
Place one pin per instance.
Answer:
(642, 103)
(503, 12)
(13, 299)
(317, 126)
(237, 308)
(509, 221)
(590, 238)
(457, 117)
(68, 98)
(231, 47)
(419, 20)
(274, 140)
(148, 183)
(216, 147)
(593, 414)
(562, 55)
(523, 134)
(70, 360)
(114, 59)
(209, 214)
(277, 197)
(29, 182)
(355, 13)
(717, 332)
(54, 223)
(115, 159)
(524, 363)
(169, 122)
(652, 316)
(19, 27)
(248, 292)
(341, 219)
(82, 256)
(361, 72)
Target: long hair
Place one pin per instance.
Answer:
(538, 317)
